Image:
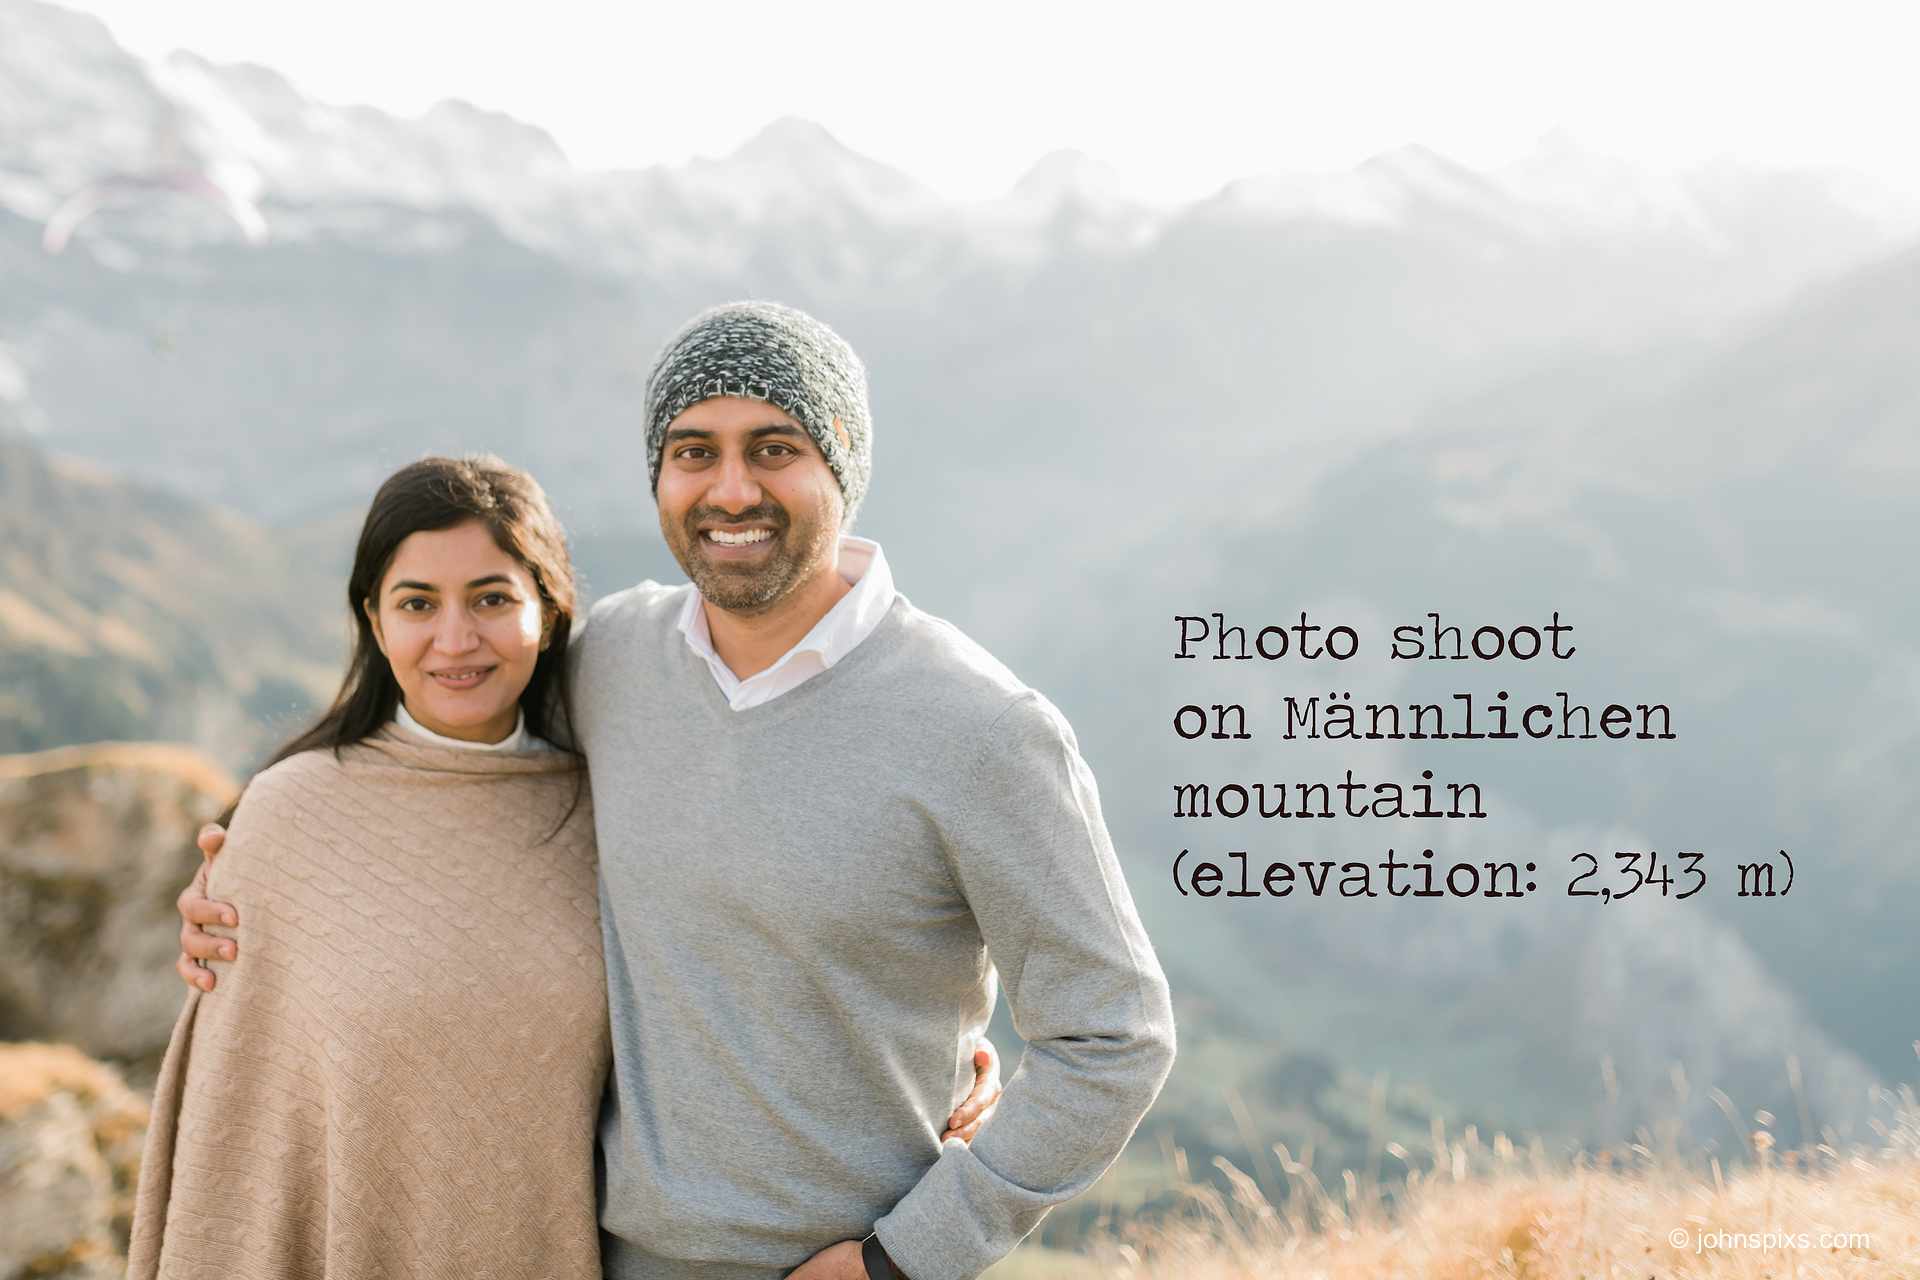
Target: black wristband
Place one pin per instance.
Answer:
(873, 1256)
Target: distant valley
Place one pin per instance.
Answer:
(1677, 407)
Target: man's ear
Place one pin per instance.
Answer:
(373, 620)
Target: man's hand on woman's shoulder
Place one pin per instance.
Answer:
(198, 910)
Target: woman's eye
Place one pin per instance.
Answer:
(407, 605)
(493, 599)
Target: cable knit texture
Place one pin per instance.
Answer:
(400, 1074)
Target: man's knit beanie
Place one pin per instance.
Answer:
(783, 356)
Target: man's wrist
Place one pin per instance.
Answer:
(873, 1256)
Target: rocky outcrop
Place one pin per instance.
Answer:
(70, 1139)
(95, 844)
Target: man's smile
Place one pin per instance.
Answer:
(744, 538)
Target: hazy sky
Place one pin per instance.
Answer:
(967, 98)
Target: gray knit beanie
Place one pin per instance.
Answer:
(783, 356)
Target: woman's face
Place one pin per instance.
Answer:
(462, 627)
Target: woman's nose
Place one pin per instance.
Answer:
(455, 632)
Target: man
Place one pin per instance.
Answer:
(825, 818)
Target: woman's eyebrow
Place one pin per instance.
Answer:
(408, 584)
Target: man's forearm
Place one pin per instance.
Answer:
(1031, 852)
(1064, 1119)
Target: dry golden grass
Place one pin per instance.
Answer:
(1491, 1211)
(30, 1073)
(71, 1133)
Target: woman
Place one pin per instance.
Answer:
(427, 1109)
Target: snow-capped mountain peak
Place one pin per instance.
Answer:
(794, 165)
(1070, 174)
(97, 143)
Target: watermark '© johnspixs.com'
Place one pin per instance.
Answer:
(1701, 1241)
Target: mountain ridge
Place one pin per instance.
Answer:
(248, 129)
(127, 612)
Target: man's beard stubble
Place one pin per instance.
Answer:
(799, 551)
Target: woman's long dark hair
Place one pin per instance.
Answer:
(429, 495)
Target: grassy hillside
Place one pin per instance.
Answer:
(129, 613)
(1471, 1209)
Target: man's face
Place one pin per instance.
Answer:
(747, 503)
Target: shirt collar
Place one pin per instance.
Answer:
(863, 566)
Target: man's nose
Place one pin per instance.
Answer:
(734, 488)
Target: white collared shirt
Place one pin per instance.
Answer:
(864, 567)
(519, 740)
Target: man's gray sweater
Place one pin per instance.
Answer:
(804, 905)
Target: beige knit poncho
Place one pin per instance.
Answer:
(400, 1075)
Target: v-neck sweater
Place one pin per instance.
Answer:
(804, 904)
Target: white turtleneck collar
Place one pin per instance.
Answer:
(519, 740)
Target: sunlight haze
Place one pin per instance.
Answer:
(1204, 94)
